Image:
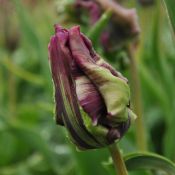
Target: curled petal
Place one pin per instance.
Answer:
(113, 89)
(90, 99)
(67, 107)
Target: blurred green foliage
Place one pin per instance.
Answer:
(30, 142)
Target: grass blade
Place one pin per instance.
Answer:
(171, 12)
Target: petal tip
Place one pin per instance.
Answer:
(95, 121)
(75, 30)
(57, 28)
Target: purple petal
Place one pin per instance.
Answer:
(83, 53)
(67, 107)
(90, 99)
(88, 61)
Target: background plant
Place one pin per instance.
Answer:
(30, 142)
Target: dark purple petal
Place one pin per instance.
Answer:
(85, 82)
(88, 95)
(93, 67)
(67, 107)
(90, 99)
(81, 47)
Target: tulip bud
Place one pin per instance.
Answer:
(92, 99)
(122, 27)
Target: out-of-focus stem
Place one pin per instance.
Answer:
(118, 161)
(169, 4)
(12, 94)
(95, 32)
(137, 104)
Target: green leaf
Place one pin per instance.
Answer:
(95, 32)
(22, 73)
(7, 141)
(146, 161)
(163, 88)
(33, 39)
(31, 137)
(149, 161)
(88, 162)
(171, 12)
(154, 87)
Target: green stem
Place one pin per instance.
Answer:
(136, 91)
(1, 87)
(169, 4)
(118, 160)
(12, 94)
(96, 30)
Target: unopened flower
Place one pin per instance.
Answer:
(122, 27)
(92, 99)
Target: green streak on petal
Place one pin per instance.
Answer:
(115, 91)
(98, 131)
(132, 115)
(95, 32)
(74, 121)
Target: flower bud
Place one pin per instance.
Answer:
(92, 99)
(122, 27)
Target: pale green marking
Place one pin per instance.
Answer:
(115, 91)
(98, 131)
(73, 119)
